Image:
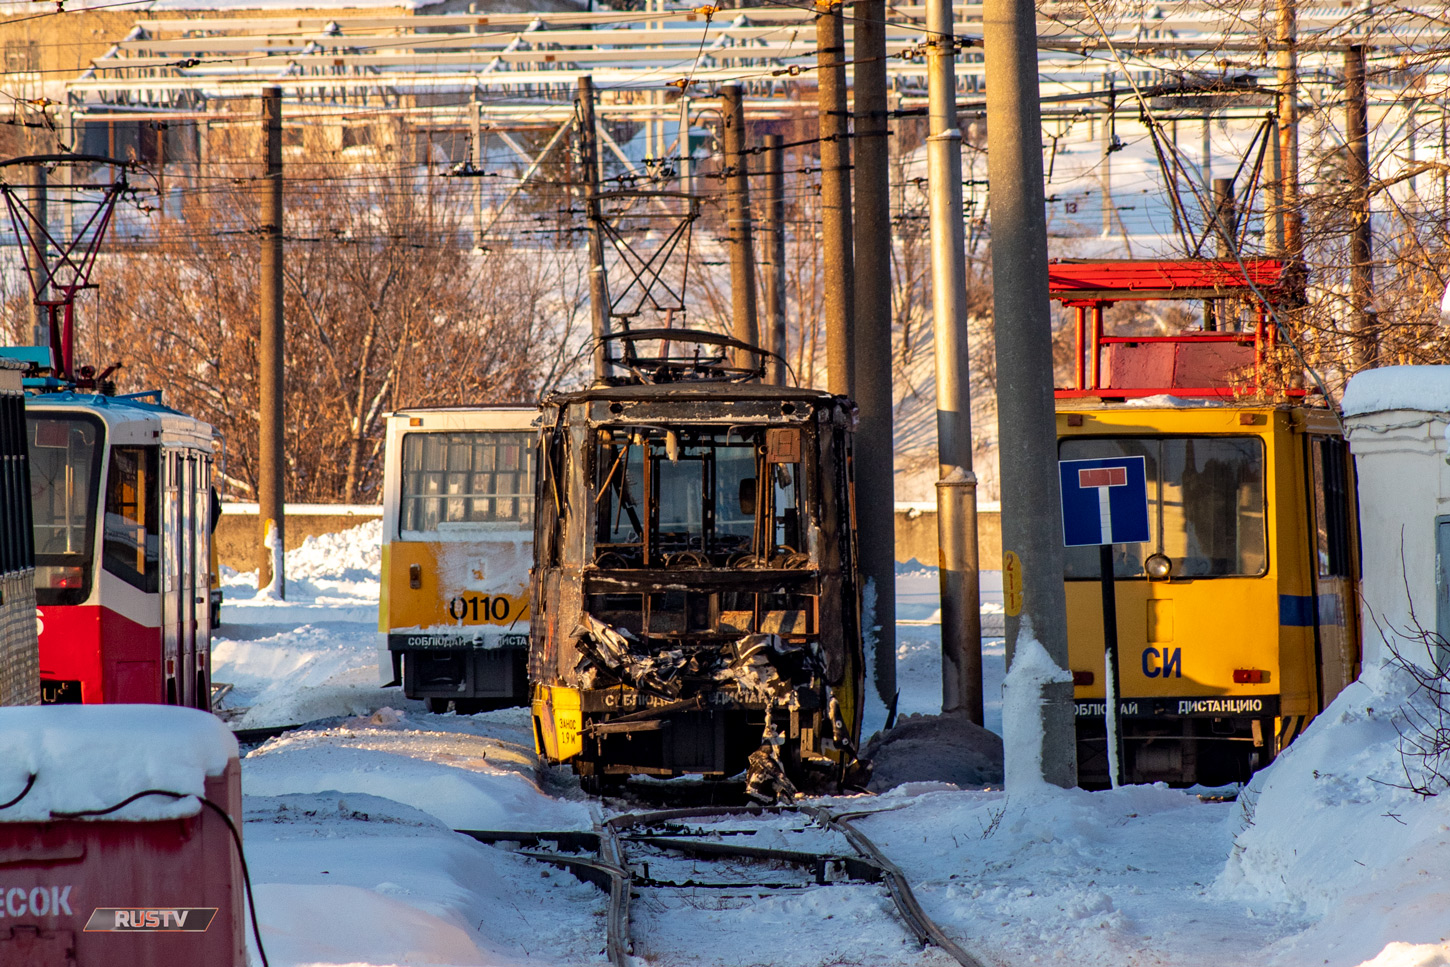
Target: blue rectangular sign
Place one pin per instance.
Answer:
(1104, 501)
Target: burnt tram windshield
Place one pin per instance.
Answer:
(699, 497)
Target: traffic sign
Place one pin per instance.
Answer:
(1104, 501)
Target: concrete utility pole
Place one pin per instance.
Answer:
(744, 324)
(871, 379)
(1274, 222)
(39, 261)
(475, 134)
(1225, 231)
(772, 260)
(1361, 265)
(1285, 32)
(956, 488)
(589, 168)
(838, 300)
(271, 494)
(683, 146)
(1026, 421)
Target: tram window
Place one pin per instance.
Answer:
(132, 535)
(466, 482)
(1329, 465)
(1205, 505)
(705, 499)
(65, 469)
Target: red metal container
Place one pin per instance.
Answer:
(107, 891)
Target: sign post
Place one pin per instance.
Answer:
(1105, 502)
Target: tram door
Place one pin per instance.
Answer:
(1335, 575)
(178, 586)
(201, 582)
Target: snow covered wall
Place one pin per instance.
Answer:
(1397, 418)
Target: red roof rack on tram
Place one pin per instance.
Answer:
(1228, 361)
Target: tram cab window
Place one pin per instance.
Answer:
(65, 467)
(462, 483)
(132, 522)
(699, 493)
(1205, 505)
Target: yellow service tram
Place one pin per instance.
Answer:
(1238, 620)
(458, 517)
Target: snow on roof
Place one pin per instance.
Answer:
(1398, 388)
(86, 757)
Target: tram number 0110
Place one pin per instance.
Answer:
(478, 607)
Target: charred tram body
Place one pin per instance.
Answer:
(696, 607)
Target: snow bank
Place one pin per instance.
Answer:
(1398, 388)
(1330, 828)
(359, 880)
(94, 756)
(1032, 669)
(464, 779)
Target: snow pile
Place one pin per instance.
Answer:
(934, 748)
(350, 879)
(1032, 670)
(1331, 829)
(442, 765)
(350, 556)
(316, 654)
(85, 757)
(1398, 388)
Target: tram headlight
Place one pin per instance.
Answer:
(1158, 567)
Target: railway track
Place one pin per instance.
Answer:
(694, 863)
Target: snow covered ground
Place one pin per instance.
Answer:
(1324, 860)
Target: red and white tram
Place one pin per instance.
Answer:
(123, 515)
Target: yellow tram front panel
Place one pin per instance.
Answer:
(1251, 512)
(432, 585)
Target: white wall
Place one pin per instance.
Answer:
(1404, 483)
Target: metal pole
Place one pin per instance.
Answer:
(871, 379)
(1108, 131)
(1112, 686)
(836, 254)
(598, 281)
(1225, 230)
(1361, 268)
(744, 324)
(683, 147)
(956, 488)
(1274, 224)
(475, 130)
(271, 489)
(1288, 110)
(773, 257)
(39, 262)
(1026, 422)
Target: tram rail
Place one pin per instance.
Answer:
(617, 854)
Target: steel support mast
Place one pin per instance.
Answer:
(589, 169)
(871, 379)
(744, 324)
(772, 261)
(1026, 421)
(956, 488)
(1361, 264)
(837, 301)
(271, 492)
(39, 258)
